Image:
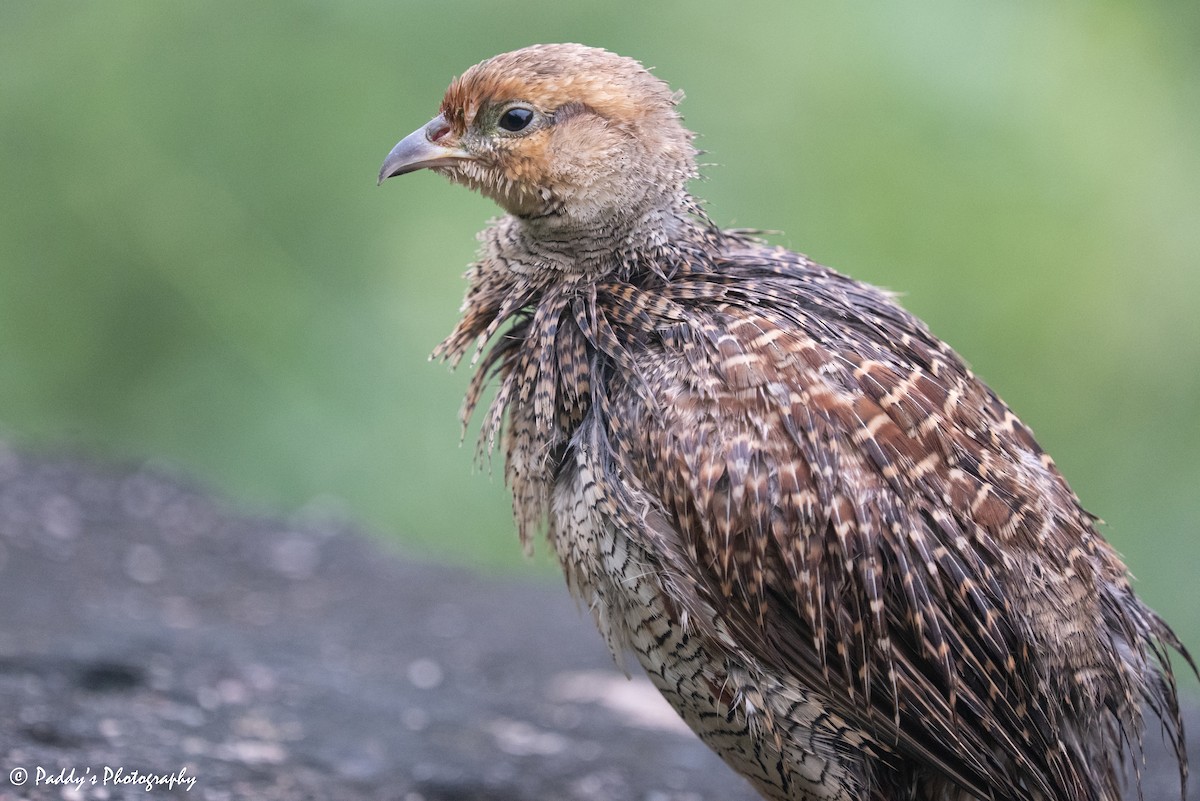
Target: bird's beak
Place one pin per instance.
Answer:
(428, 146)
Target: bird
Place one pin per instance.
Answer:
(834, 550)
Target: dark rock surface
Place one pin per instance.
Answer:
(147, 628)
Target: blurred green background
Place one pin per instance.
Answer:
(196, 265)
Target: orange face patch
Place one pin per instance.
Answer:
(550, 83)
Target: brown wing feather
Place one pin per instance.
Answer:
(863, 508)
(865, 516)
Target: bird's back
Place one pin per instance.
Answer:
(841, 557)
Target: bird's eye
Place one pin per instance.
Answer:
(516, 119)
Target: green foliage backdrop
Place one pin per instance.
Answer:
(196, 265)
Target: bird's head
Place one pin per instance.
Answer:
(563, 136)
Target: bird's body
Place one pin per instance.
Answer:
(837, 553)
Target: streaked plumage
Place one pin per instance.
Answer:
(839, 555)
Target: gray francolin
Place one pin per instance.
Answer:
(838, 554)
